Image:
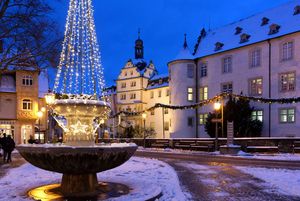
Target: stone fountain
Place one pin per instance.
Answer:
(78, 105)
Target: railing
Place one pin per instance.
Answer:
(261, 144)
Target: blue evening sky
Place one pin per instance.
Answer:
(163, 24)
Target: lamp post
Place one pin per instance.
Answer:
(217, 107)
(50, 100)
(39, 114)
(144, 115)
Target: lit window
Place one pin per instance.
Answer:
(226, 87)
(202, 118)
(27, 104)
(255, 86)
(257, 115)
(27, 80)
(287, 51)
(190, 94)
(203, 69)
(287, 115)
(287, 82)
(151, 94)
(203, 93)
(190, 121)
(255, 58)
(190, 71)
(227, 65)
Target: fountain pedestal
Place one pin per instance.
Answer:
(79, 185)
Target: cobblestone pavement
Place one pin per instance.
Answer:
(222, 182)
(214, 178)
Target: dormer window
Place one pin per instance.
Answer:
(264, 21)
(218, 46)
(238, 30)
(297, 10)
(274, 28)
(244, 38)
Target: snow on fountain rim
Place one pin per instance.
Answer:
(81, 101)
(56, 145)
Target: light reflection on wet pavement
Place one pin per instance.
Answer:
(222, 182)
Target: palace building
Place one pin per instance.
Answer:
(257, 56)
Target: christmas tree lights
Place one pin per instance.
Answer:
(80, 70)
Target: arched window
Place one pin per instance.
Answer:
(27, 104)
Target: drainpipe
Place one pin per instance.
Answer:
(270, 64)
(197, 98)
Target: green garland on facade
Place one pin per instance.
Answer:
(210, 101)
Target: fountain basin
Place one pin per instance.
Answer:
(78, 165)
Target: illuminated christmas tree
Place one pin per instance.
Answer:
(80, 70)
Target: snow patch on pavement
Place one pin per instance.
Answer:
(286, 181)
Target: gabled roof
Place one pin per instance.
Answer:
(283, 16)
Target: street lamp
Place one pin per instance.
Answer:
(144, 115)
(217, 107)
(43, 109)
(50, 98)
(39, 114)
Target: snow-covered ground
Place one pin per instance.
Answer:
(145, 176)
(286, 181)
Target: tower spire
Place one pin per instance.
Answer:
(139, 46)
(139, 33)
(185, 42)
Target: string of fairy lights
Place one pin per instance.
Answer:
(80, 70)
(210, 101)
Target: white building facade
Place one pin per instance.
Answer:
(258, 57)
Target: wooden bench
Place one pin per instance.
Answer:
(203, 145)
(296, 147)
(160, 144)
(183, 144)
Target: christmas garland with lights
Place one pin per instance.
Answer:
(209, 101)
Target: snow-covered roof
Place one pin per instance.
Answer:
(158, 81)
(159, 76)
(43, 83)
(283, 16)
(184, 54)
(165, 84)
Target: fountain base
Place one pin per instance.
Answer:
(103, 191)
(79, 185)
